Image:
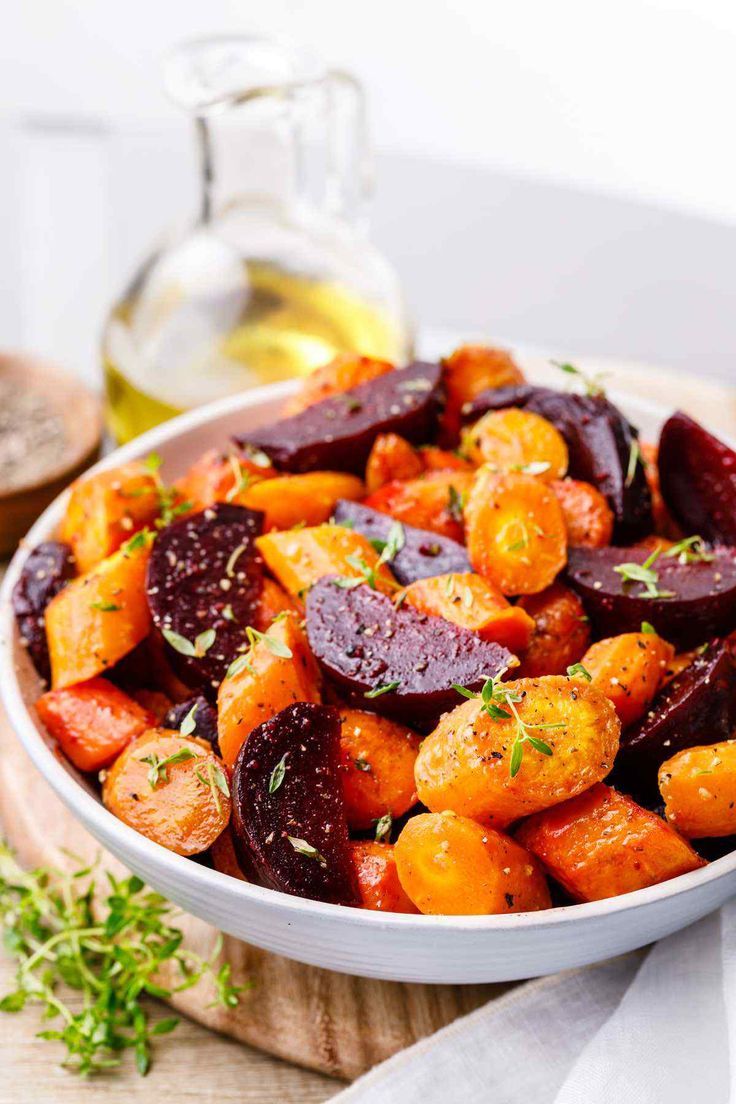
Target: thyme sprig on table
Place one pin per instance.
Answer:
(107, 951)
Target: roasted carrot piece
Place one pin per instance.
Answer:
(341, 374)
(99, 617)
(588, 517)
(470, 762)
(155, 702)
(376, 766)
(92, 722)
(308, 499)
(391, 458)
(224, 857)
(106, 509)
(219, 476)
(300, 557)
(437, 459)
(279, 669)
(434, 501)
(170, 788)
(515, 532)
(273, 601)
(450, 866)
(698, 787)
(516, 441)
(601, 844)
(629, 669)
(468, 371)
(474, 603)
(378, 880)
(561, 631)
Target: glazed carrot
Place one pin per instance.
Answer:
(341, 374)
(300, 557)
(629, 669)
(588, 517)
(92, 722)
(391, 458)
(468, 371)
(450, 866)
(601, 844)
(698, 787)
(378, 880)
(376, 766)
(99, 617)
(474, 603)
(515, 532)
(434, 501)
(290, 500)
(558, 737)
(172, 789)
(676, 665)
(561, 631)
(224, 857)
(273, 601)
(106, 509)
(514, 440)
(218, 476)
(156, 703)
(277, 671)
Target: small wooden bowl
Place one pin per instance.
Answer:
(81, 415)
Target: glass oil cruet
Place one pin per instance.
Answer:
(277, 275)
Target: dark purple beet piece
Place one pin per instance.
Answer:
(703, 606)
(204, 718)
(696, 707)
(46, 570)
(600, 441)
(363, 644)
(338, 433)
(288, 819)
(423, 555)
(204, 573)
(697, 475)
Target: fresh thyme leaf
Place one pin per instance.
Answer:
(534, 467)
(377, 691)
(592, 384)
(647, 627)
(690, 550)
(394, 543)
(204, 642)
(275, 646)
(240, 663)
(214, 779)
(233, 559)
(644, 574)
(634, 460)
(362, 765)
(303, 848)
(152, 462)
(455, 503)
(112, 953)
(158, 771)
(256, 456)
(346, 583)
(178, 642)
(227, 612)
(463, 690)
(517, 755)
(189, 723)
(105, 607)
(383, 828)
(138, 540)
(576, 670)
(539, 745)
(277, 774)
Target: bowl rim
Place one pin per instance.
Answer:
(103, 825)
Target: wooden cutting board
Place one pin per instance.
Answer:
(329, 1022)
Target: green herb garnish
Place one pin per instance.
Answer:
(188, 724)
(275, 646)
(377, 691)
(277, 774)
(105, 607)
(110, 954)
(158, 768)
(690, 550)
(576, 670)
(455, 503)
(303, 848)
(383, 828)
(648, 628)
(592, 384)
(362, 765)
(215, 780)
(644, 574)
(634, 460)
(201, 645)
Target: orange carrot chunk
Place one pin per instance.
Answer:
(434, 501)
(378, 880)
(106, 509)
(601, 844)
(629, 669)
(392, 457)
(299, 558)
(468, 371)
(474, 603)
(588, 517)
(341, 374)
(377, 767)
(514, 440)
(698, 787)
(93, 721)
(561, 631)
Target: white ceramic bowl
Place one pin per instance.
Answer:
(403, 948)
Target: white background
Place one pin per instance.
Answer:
(562, 173)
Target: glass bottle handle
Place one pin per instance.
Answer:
(349, 168)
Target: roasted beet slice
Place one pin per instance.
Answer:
(697, 475)
(47, 569)
(395, 661)
(703, 603)
(203, 719)
(289, 823)
(204, 577)
(602, 446)
(337, 434)
(423, 554)
(697, 707)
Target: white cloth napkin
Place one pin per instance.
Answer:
(657, 1027)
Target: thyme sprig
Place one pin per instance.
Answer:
(592, 384)
(645, 574)
(109, 953)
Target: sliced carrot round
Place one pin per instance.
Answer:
(514, 440)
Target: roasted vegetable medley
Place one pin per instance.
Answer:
(438, 640)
